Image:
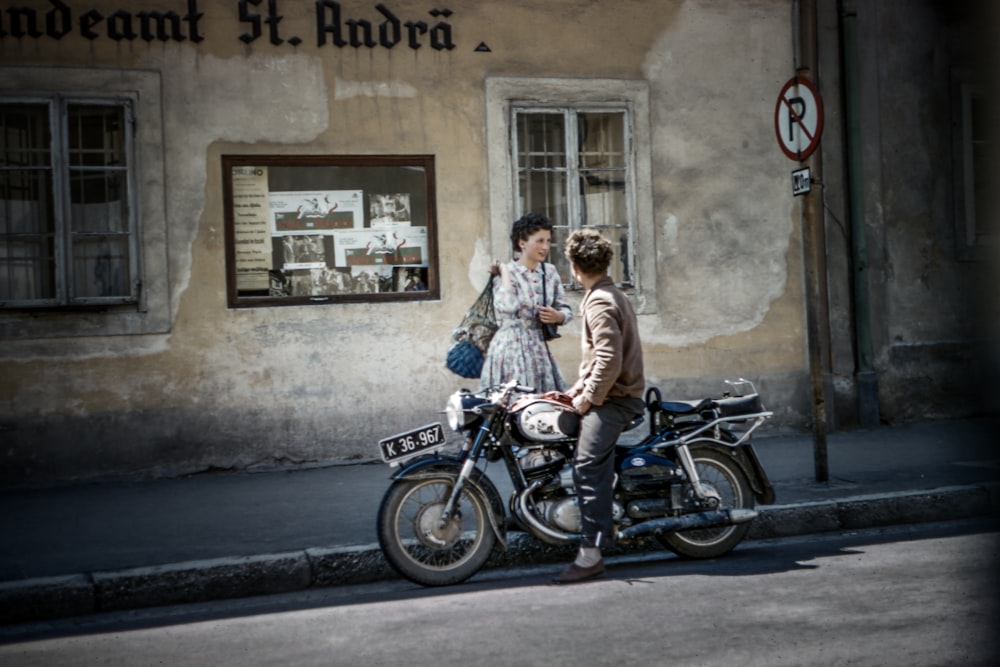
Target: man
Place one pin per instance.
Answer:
(608, 395)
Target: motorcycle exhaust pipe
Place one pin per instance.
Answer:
(673, 524)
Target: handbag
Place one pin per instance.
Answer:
(472, 337)
(549, 331)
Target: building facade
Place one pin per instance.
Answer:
(237, 234)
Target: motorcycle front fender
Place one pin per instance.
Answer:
(451, 467)
(450, 464)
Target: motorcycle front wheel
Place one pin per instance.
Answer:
(720, 473)
(422, 549)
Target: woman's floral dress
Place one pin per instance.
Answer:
(518, 351)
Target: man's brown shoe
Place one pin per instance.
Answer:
(575, 573)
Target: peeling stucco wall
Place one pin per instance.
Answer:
(234, 389)
(258, 387)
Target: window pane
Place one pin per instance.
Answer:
(27, 270)
(544, 192)
(603, 195)
(604, 207)
(27, 225)
(25, 203)
(98, 201)
(98, 190)
(101, 266)
(601, 140)
(24, 135)
(96, 136)
(541, 141)
(620, 269)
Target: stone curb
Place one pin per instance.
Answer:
(226, 578)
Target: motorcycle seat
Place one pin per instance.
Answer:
(739, 405)
(732, 406)
(685, 407)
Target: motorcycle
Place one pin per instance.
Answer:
(691, 483)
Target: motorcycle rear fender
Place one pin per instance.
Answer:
(759, 480)
(449, 467)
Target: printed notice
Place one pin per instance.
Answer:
(316, 212)
(251, 214)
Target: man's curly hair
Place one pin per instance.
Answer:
(590, 251)
(525, 226)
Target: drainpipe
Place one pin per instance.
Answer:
(865, 377)
(814, 247)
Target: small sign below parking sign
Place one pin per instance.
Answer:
(800, 182)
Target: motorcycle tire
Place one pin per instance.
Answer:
(718, 469)
(421, 550)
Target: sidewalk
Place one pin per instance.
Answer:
(83, 549)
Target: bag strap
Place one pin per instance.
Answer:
(545, 299)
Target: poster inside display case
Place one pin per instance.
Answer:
(327, 229)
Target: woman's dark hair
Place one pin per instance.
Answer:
(527, 225)
(590, 251)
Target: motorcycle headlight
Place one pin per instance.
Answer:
(461, 409)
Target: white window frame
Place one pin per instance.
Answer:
(149, 311)
(504, 94)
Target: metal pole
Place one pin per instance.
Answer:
(814, 242)
(865, 377)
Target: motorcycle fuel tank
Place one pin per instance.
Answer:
(544, 420)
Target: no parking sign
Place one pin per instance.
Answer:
(798, 118)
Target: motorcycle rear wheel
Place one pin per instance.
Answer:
(719, 471)
(418, 547)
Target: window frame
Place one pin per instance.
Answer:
(573, 170)
(970, 242)
(62, 171)
(150, 313)
(238, 299)
(503, 94)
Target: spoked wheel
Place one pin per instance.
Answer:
(724, 479)
(422, 548)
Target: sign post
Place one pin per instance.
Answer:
(798, 124)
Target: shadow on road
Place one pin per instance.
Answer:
(763, 557)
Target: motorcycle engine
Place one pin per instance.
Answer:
(556, 502)
(564, 513)
(543, 462)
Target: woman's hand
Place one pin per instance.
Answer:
(550, 315)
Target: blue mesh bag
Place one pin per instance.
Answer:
(471, 339)
(465, 359)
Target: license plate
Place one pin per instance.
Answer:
(412, 443)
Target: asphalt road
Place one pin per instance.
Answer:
(908, 596)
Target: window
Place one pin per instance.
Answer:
(308, 230)
(975, 212)
(83, 209)
(572, 166)
(578, 152)
(67, 222)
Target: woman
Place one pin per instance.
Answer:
(518, 351)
